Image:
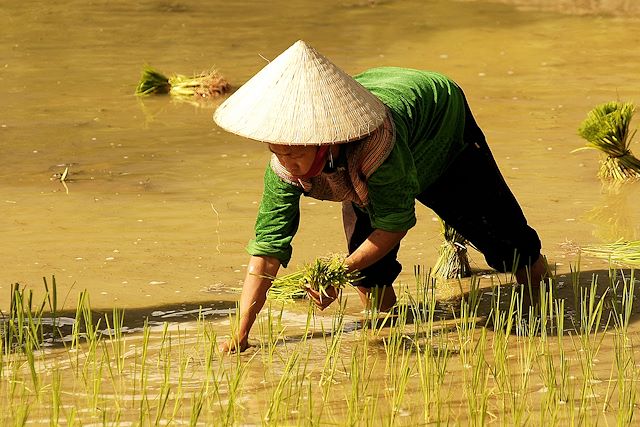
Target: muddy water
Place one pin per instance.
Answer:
(159, 203)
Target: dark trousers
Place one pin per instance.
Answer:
(471, 196)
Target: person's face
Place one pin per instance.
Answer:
(297, 160)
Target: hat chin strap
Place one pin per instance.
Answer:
(318, 162)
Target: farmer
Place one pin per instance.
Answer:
(376, 142)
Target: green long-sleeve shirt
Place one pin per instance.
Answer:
(428, 113)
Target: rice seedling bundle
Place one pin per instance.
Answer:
(200, 86)
(606, 128)
(453, 260)
(622, 252)
(318, 275)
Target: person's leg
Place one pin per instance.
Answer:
(377, 279)
(385, 297)
(534, 273)
(473, 197)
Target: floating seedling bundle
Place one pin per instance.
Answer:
(606, 128)
(453, 260)
(621, 252)
(318, 275)
(200, 86)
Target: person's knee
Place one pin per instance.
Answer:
(388, 299)
(534, 273)
(381, 274)
(382, 299)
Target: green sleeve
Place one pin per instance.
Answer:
(278, 219)
(392, 191)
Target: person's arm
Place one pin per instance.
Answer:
(254, 294)
(276, 224)
(377, 245)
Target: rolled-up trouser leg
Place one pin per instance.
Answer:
(357, 228)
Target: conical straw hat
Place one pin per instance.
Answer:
(301, 98)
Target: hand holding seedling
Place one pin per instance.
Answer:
(323, 297)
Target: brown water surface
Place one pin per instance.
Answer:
(159, 202)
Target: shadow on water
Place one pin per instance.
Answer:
(55, 327)
(590, 301)
(594, 300)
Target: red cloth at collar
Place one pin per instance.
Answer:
(318, 162)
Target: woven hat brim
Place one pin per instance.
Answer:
(301, 98)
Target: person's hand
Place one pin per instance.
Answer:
(233, 346)
(320, 299)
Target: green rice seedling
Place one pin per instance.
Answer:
(399, 380)
(164, 363)
(453, 259)
(197, 403)
(143, 412)
(165, 345)
(52, 299)
(235, 379)
(91, 334)
(503, 325)
(211, 384)
(183, 362)
(275, 413)
(163, 399)
(2, 357)
(29, 352)
(372, 313)
(590, 337)
(626, 374)
(271, 332)
(287, 288)
(433, 360)
(563, 362)
(144, 372)
(501, 371)
(24, 322)
(546, 308)
(318, 275)
(297, 389)
(476, 383)
(626, 379)
(547, 369)
(394, 344)
(71, 416)
(55, 397)
(152, 81)
(360, 374)
(204, 85)
(547, 366)
(96, 382)
(624, 252)
(432, 366)
(466, 328)
(398, 366)
(625, 383)
(22, 413)
(332, 357)
(116, 339)
(116, 380)
(425, 286)
(606, 129)
(526, 354)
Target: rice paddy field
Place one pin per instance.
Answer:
(124, 221)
